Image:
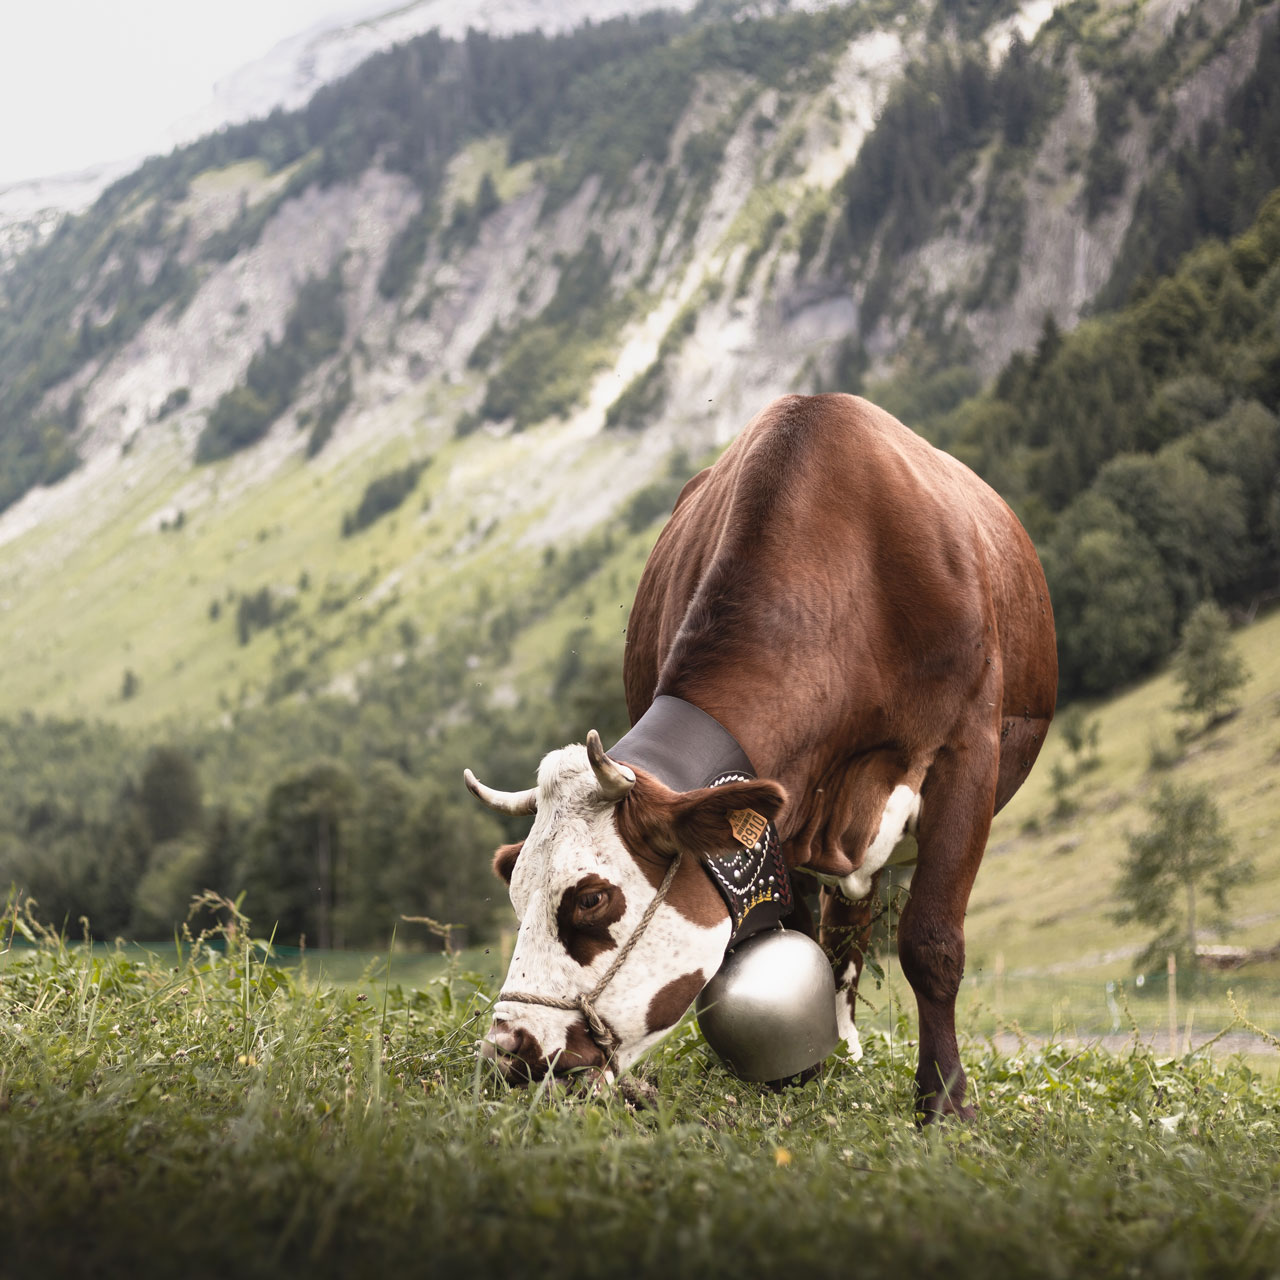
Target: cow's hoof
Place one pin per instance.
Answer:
(927, 1113)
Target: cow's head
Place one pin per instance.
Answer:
(603, 838)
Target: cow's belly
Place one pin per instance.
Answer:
(894, 845)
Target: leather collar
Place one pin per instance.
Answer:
(685, 748)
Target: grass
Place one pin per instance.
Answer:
(486, 155)
(209, 1113)
(357, 971)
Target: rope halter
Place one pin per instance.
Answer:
(585, 1004)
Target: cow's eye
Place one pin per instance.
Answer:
(589, 901)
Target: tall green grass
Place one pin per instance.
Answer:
(210, 1112)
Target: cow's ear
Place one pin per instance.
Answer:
(504, 861)
(712, 819)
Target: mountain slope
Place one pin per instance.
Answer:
(692, 222)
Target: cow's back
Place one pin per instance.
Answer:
(834, 586)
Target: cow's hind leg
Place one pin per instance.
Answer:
(845, 934)
(956, 817)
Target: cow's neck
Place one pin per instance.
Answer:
(685, 748)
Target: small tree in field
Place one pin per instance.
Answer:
(1186, 854)
(1207, 666)
(1081, 736)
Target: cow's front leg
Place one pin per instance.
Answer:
(956, 817)
(845, 934)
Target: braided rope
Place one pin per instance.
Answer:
(585, 1004)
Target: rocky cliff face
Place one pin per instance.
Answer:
(729, 279)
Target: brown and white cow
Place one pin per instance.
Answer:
(870, 623)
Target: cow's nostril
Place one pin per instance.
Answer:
(515, 1052)
(503, 1039)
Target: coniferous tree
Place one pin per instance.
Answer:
(170, 793)
(1184, 856)
(1207, 666)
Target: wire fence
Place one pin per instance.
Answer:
(1178, 1011)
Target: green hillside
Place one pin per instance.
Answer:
(1047, 885)
(159, 595)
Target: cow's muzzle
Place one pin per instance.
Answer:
(520, 1058)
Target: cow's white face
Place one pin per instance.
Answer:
(580, 884)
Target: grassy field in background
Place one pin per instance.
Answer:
(218, 1115)
(1046, 890)
(357, 970)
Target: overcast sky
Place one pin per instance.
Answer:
(84, 81)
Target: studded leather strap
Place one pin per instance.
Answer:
(685, 748)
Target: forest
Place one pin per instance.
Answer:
(1142, 452)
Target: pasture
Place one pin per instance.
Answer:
(204, 1112)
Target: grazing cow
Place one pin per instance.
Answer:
(841, 630)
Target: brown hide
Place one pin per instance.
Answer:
(860, 611)
(846, 600)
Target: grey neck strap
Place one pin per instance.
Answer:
(681, 745)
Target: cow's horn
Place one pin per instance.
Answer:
(615, 779)
(515, 803)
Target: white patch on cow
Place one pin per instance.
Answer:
(844, 1011)
(900, 818)
(574, 835)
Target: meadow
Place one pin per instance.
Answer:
(1045, 897)
(207, 1111)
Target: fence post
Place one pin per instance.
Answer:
(1173, 1004)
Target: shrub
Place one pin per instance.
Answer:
(255, 612)
(177, 399)
(382, 495)
(654, 500)
(336, 401)
(407, 251)
(641, 399)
